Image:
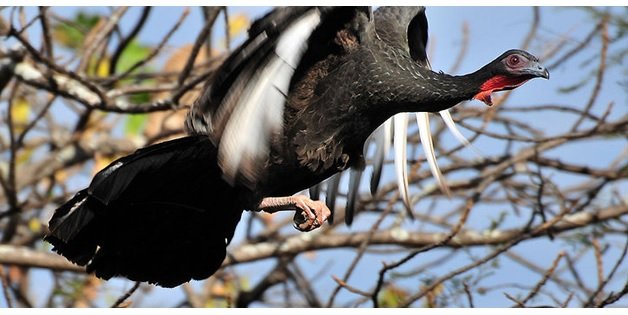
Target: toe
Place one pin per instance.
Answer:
(312, 215)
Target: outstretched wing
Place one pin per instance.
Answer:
(404, 28)
(243, 108)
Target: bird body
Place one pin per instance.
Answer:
(289, 108)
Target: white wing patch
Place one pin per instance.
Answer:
(400, 143)
(425, 133)
(259, 112)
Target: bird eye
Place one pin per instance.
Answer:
(514, 60)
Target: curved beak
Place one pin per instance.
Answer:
(537, 70)
(544, 73)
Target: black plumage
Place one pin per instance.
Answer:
(157, 215)
(289, 108)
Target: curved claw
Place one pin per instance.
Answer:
(301, 221)
(312, 215)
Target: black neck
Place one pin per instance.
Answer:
(421, 90)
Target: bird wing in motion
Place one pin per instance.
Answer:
(243, 108)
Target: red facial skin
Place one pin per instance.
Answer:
(497, 83)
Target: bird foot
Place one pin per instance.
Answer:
(309, 215)
(312, 215)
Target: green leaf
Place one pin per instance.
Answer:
(132, 53)
(72, 34)
(140, 98)
(392, 297)
(135, 124)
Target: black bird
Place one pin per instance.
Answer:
(289, 108)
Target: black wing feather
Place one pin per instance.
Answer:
(161, 215)
(405, 28)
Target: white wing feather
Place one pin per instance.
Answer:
(400, 136)
(425, 133)
(259, 112)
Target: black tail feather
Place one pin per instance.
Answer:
(161, 215)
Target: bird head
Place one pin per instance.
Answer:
(508, 71)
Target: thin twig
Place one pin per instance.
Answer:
(601, 70)
(534, 27)
(540, 229)
(152, 54)
(100, 37)
(5, 287)
(512, 298)
(463, 218)
(126, 295)
(593, 297)
(9, 184)
(467, 292)
(52, 65)
(277, 275)
(200, 39)
(362, 249)
(20, 139)
(45, 28)
(578, 48)
(350, 288)
(597, 251)
(567, 300)
(548, 274)
(614, 297)
(304, 285)
(124, 43)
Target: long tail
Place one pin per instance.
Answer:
(162, 215)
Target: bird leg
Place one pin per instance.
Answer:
(312, 215)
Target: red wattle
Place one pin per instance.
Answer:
(496, 83)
